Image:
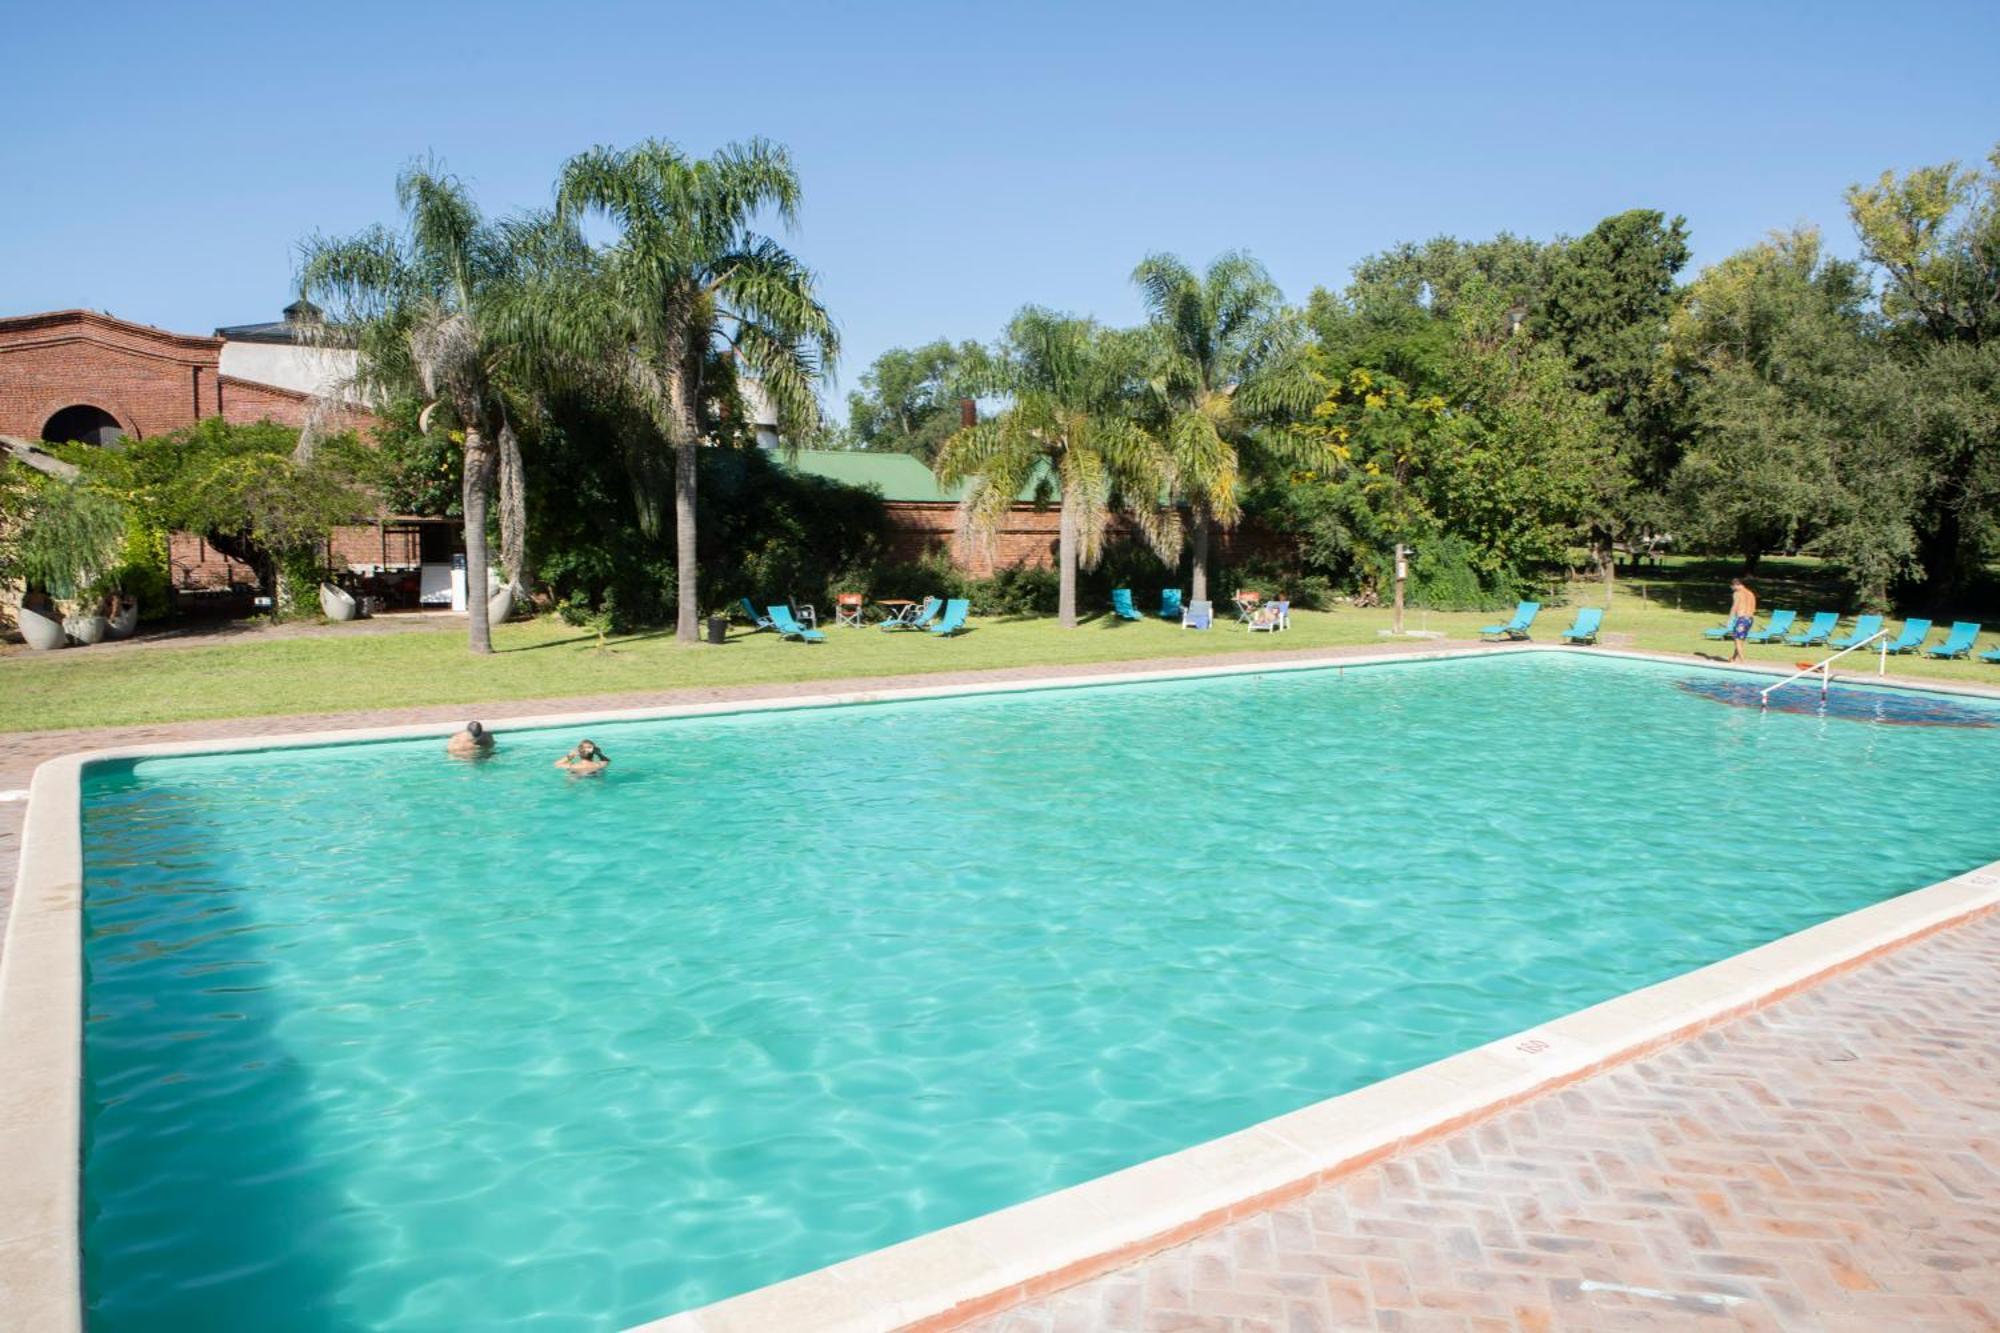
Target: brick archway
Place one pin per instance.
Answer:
(110, 407)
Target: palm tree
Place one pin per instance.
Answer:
(1069, 424)
(1227, 358)
(426, 309)
(689, 276)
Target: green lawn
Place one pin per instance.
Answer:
(254, 675)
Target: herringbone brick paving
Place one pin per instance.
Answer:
(1831, 1163)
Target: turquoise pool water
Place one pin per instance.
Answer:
(377, 1040)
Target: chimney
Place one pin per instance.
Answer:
(968, 414)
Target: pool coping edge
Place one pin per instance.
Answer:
(947, 1277)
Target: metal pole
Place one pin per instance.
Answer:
(1402, 572)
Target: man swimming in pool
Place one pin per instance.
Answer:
(1742, 611)
(475, 742)
(586, 760)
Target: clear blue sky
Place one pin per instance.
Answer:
(163, 161)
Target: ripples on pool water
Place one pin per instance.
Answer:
(378, 1040)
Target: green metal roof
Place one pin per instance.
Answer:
(895, 476)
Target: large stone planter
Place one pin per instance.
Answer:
(125, 623)
(87, 630)
(500, 605)
(42, 632)
(337, 603)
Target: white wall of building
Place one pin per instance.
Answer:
(287, 365)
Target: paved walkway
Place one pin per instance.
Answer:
(1832, 1163)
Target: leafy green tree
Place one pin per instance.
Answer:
(690, 274)
(244, 488)
(1609, 296)
(1225, 359)
(1934, 233)
(59, 535)
(1499, 461)
(909, 399)
(428, 312)
(1069, 424)
(1764, 353)
(1431, 278)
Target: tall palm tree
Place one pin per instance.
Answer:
(1069, 423)
(689, 275)
(425, 309)
(1227, 358)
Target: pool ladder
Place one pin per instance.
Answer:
(1825, 668)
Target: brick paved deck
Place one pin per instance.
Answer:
(1832, 1163)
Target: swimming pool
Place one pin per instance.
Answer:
(375, 1040)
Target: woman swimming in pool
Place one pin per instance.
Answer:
(586, 760)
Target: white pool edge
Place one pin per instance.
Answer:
(945, 1277)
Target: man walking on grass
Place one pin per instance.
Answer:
(1742, 610)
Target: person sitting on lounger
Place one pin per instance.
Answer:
(1742, 611)
(586, 760)
(475, 742)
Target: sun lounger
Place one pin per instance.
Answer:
(1911, 637)
(1779, 625)
(1121, 603)
(1170, 604)
(955, 612)
(758, 620)
(1823, 625)
(1198, 615)
(1958, 643)
(1517, 628)
(1865, 628)
(1588, 619)
(1272, 616)
(788, 625)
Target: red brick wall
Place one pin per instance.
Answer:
(147, 378)
(244, 403)
(195, 564)
(1028, 538)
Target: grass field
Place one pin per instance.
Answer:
(338, 670)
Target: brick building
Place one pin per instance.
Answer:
(77, 375)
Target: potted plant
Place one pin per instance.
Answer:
(337, 603)
(40, 623)
(65, 546)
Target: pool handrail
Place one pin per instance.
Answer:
(1825, 668)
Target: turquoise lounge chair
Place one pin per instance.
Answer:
(919, 617)
(789, 627)
(1911, 637)
(1958, 643)
(1823, 624)
(1865, 628)
(758, 620)
(1517, 628)
(1170, 604)
(1720, 631)
(1121, 603)
(955, 612)
(1990, 655)
(1780, 622)
(1585, 629)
